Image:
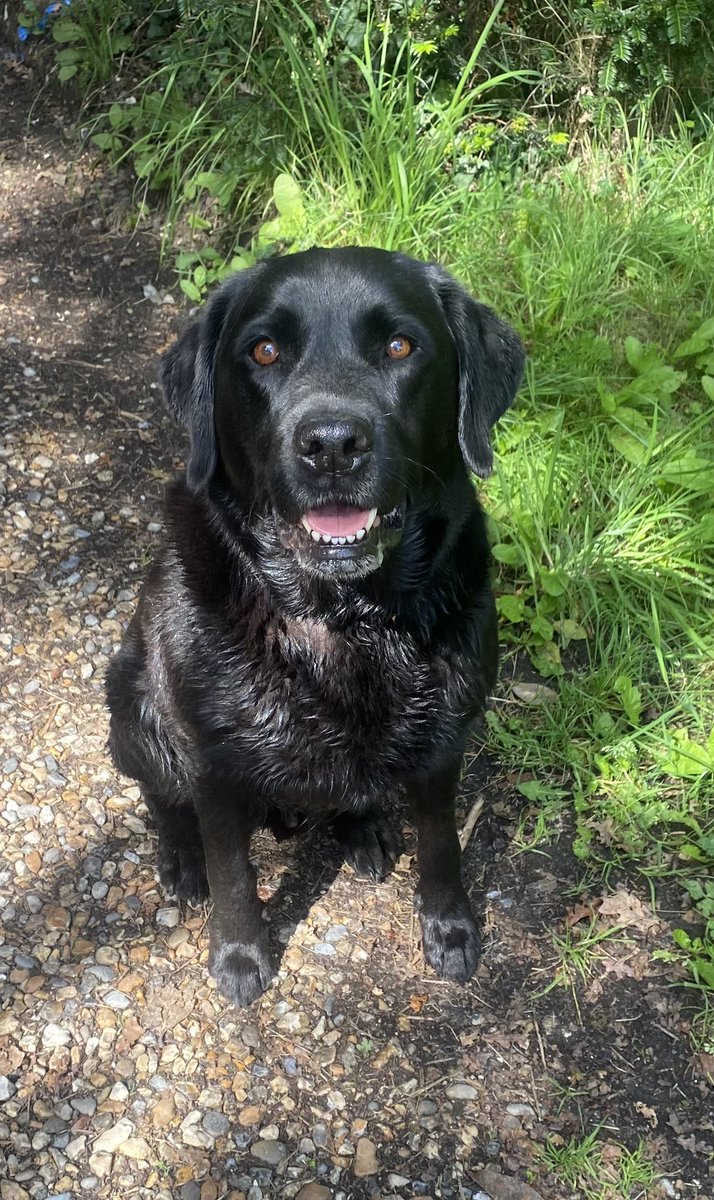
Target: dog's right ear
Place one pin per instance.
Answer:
(186, 376)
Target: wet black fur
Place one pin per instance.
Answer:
(253, 686)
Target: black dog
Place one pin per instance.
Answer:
(319, 628)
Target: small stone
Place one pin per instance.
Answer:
(12, 1191)
(216, 1124)
(168, 917)
(521, 1110)
(324, 949)
(112, 1138)
(320, 1135)
(77, 1147)
(136, 1147)
(55, 1035)
(250, 1115)
(365, 1161)
(86, 1105)
(101, 1164)
(7, 1088)
(335, 933)
(269, 1133)
(117, 1000)
(462, 1091)
(314, 1191)
(271, 1152)
(504, 1187)
(163, 1113)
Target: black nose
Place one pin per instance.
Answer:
(334, 446)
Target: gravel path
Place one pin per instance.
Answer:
(122, 1072)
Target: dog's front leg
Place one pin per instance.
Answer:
(450, 937)
(239, 957)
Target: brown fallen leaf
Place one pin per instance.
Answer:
(534, 693)
(625, 908)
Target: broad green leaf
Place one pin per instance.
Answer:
(708, 385)
(67, 31)
(555, 583)
(686, 759)
(288, 198)
(692, 472)
(117, 116)
(630, 698)
(628, 446)
(542, 628)
(571, 630)
(507, 552)
(698, 342)
(511, 607)
(190, 289)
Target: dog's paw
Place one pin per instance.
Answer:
(182, 870)
(369, 844)
(450, 936)
(242, 970)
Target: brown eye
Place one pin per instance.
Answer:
(399, 347)
(265, 352)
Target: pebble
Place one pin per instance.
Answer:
(112, 1138)
(365, 1160)
(168, 917)
(314, 1191)
(55, 1035)
(216, 1124)
(12, 1191)
(117, 1000)
(521, 1110)
(271, 1152)
(7, 1088)
(462, 1091)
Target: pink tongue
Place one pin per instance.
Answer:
(337, 520)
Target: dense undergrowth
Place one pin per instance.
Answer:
(259, 130)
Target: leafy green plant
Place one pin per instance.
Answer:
(202, 268)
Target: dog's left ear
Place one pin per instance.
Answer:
(186, 376)
(491, 360)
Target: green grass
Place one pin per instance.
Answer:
(599, 1170)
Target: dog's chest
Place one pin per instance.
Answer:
(336, 716)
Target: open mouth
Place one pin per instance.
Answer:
(339, 524)
(343, 538)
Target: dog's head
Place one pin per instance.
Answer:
(334, 389)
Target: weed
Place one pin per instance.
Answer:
(600, 1170)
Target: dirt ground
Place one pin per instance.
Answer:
(358, 1074)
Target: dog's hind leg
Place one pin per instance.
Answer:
(369, 843)
(181, 860)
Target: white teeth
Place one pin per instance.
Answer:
(377, 522)
(328, 540)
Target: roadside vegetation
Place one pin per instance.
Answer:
(562, 165)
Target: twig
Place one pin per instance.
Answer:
(470, 823)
